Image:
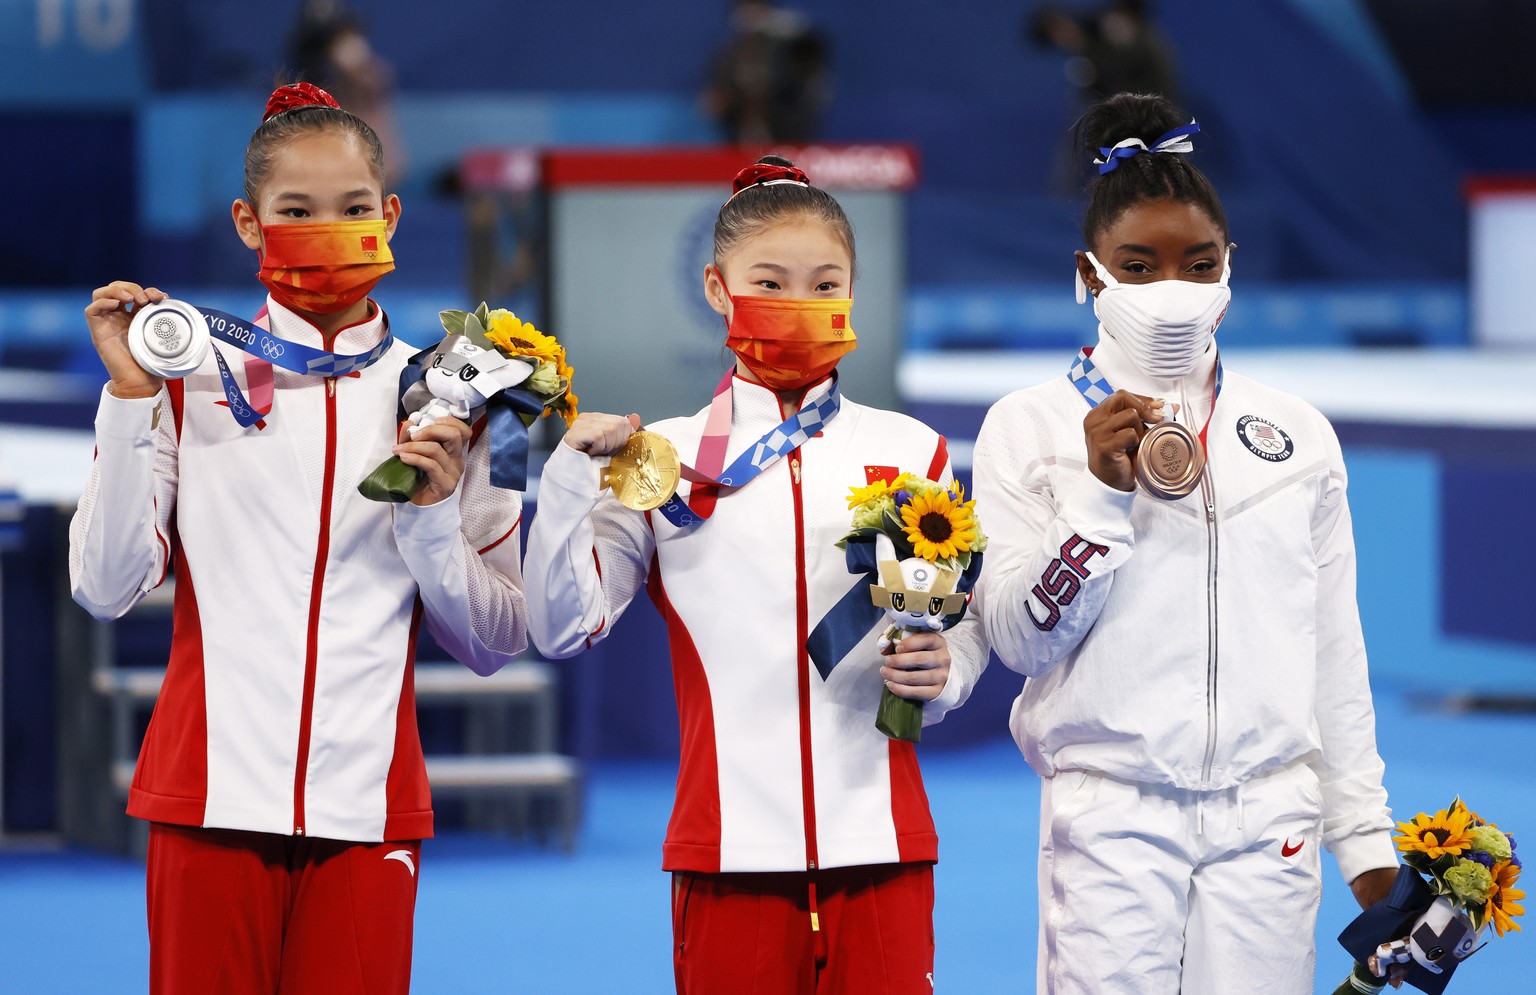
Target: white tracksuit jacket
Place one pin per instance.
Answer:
(1195, 643)
(740, 593)
(288, 704)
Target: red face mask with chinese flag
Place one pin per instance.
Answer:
(324, 267)
(789, 343)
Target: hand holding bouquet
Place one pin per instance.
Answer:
(1428, 924)
(488, 361)
(927, 552)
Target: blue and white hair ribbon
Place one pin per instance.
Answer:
(1176, 140)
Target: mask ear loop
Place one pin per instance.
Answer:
(1103, 274)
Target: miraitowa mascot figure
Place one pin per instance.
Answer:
(917, 595)
(1411, 934)
(463, 376)
(459, 381)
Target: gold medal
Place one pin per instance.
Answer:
(644, 472)
(1169, 461)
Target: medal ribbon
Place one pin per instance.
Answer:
(1095, 389)
(759, 456)
(293, 356)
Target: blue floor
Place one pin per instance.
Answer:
(494, 916)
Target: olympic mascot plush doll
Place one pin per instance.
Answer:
(917, 595)
(490, 363)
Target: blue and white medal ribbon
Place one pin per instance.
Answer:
(772, 447)
(292, 356)
(1095, 389)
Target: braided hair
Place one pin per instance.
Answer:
(1143, 177)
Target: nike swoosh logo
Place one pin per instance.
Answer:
(404, 856)
(1288, 850)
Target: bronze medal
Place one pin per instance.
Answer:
(1169, 461)
(644, 472)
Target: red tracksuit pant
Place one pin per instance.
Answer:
(239, 913)
(753, 934)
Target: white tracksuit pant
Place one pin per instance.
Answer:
(1152, 890)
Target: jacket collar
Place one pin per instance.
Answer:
(359, 337)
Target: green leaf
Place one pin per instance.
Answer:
(474, 330)
(453, 321)
(484, 314)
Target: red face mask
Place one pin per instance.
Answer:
(789, 343)
(324, 267)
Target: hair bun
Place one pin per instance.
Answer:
(294, 96)
(765, 171)
(1142, 116)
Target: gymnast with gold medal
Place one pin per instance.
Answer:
(800, 844)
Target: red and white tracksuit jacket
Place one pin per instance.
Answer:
(288, 704)
(780, 770)
(1197, 643)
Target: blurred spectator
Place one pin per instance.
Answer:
(1116, 50)
(769, 83)
(329, 47)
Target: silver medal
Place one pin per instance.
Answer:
(169, 339)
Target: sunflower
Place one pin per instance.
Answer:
(938, 526)
(1504, 901)
(516, 337)
(1444, 832)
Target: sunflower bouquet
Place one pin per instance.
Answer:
(921, 545)
(1458, 877)
(489, 361)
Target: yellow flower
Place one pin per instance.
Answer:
(938, 526)
(1504, 901)
(868, 493)
(1444, 832)
(516, 337)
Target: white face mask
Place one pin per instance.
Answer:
(1165, 326)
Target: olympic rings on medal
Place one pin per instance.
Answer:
(169, 339)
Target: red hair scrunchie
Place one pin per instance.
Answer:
(763, 172)
(296, 95)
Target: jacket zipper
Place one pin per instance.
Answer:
(1208, 494)
(803, 679)
(317, 584)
